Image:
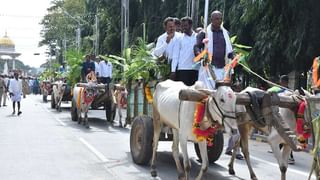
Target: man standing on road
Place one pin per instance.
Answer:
(5, 89)
(2, 88)
(15, 91)
(182, 63)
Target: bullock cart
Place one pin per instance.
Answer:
(103, 100)
(60, 92)
(142, 130)
(46, 88)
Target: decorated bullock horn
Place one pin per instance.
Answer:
(191, 95)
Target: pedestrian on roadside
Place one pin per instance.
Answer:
(2, 88)
(25, 87)
(5, 96)
(15, 92)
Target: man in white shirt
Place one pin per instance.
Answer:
(166, 41)
(105, 71)
(15, 91)
(182, 67)
(95, 59)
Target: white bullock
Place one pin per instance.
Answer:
(58, 90)
(245, 124)
(83, 97)
(168, 109)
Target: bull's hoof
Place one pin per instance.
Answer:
(154, 173)
(254, 178)
(182, 176)
(87, 126)
(232, 172)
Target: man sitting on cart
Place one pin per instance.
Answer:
(87, 67)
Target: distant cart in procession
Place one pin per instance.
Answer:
(139, 110)
(103, 100)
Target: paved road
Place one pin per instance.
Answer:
(44, 144)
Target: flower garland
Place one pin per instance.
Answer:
(148, 94)
(202, 135)
(315, 69)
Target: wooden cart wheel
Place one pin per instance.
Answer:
(214, 152)
(74, 113)
(141, 138)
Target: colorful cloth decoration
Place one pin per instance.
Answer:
(202, 135)
(303, 132)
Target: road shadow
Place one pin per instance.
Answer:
(166, 168)
(96, 124)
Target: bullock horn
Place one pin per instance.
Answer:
(191, 95)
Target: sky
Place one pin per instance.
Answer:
(20, 19)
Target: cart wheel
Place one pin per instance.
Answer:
(141, 138)
(74, 113)
(53, 103)
(214, 152)
(109, 110)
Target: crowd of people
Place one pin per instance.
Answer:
(179, 46)
(16, 87)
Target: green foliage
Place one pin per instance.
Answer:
(74, 60)
(137, 63)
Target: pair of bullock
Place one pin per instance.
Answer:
(169, 109)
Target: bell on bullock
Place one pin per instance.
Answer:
(205, 124)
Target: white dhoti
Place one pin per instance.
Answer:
(15, 88)
(205, 77)
(16, 97)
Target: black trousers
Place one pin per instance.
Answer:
(105, 80)
(188, 77)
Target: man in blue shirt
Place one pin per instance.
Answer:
(87, 67)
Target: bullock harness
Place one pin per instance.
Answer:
(220, 111)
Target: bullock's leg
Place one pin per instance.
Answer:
(234, 152)
(285, 155)
(156, 135)
(120, 115)
(86, 122)
(79, 115)
(204, 157)
(175, 153)
(184, 150)
(244, 130)
(274, 140)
